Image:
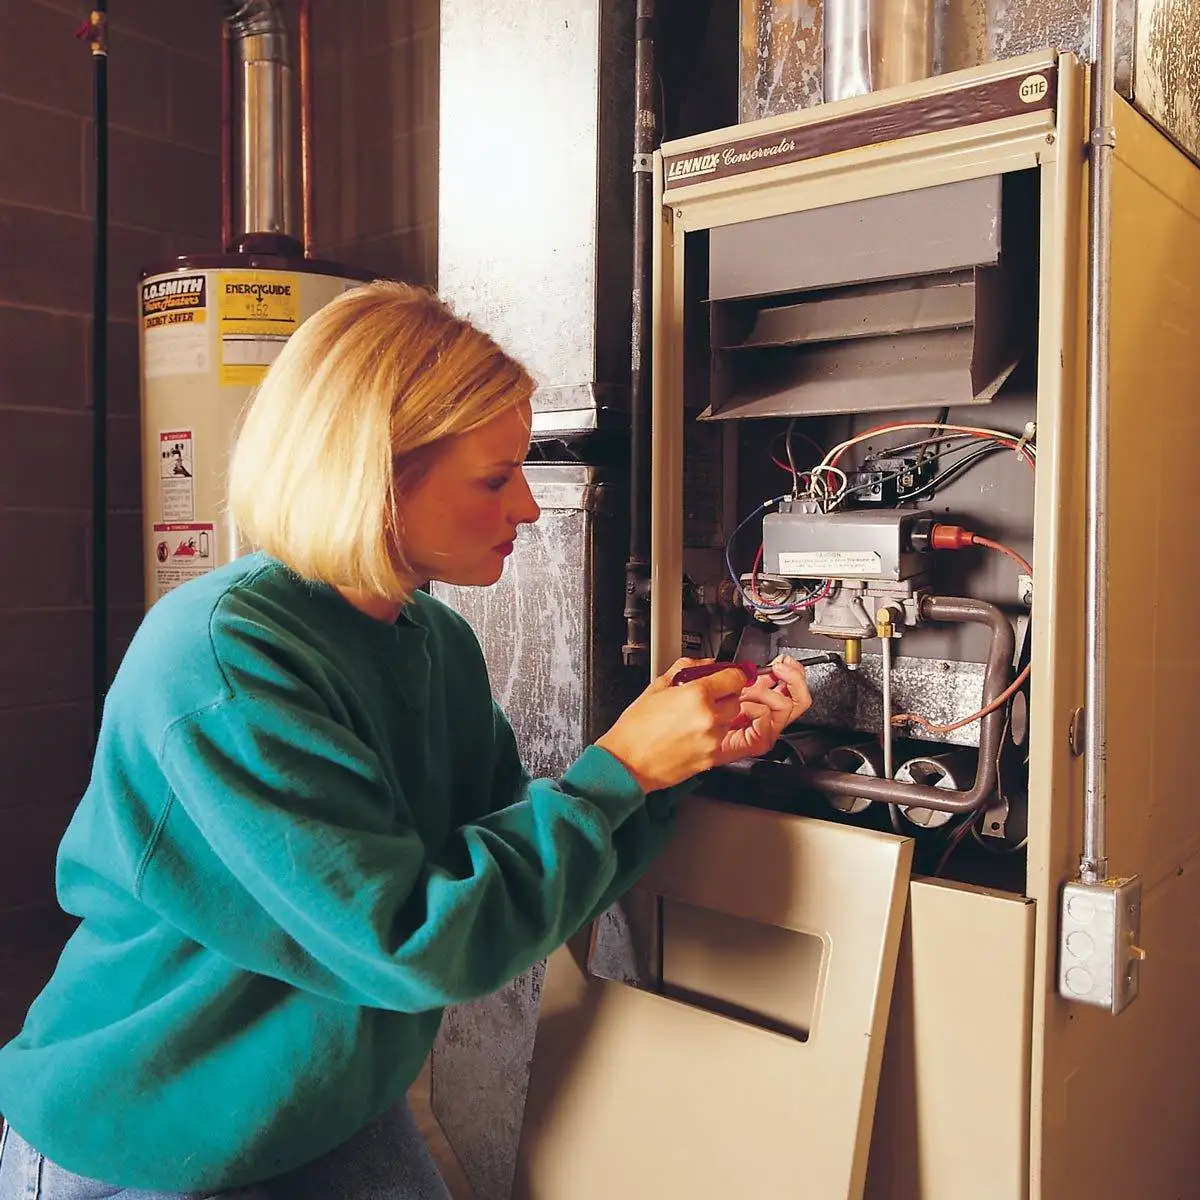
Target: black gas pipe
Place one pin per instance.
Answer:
(646, 134)
(96, 32)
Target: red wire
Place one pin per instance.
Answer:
(1009, 692)
(753, 588)
(1003, 698)
(807, 602)
(1003, 549)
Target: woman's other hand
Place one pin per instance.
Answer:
(668, 734)
(767, 709)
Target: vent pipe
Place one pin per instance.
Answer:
(263, 155)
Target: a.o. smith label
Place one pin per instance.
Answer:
(175, 326)
(179, 293)
(987, 100)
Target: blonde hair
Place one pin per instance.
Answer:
(353, 412)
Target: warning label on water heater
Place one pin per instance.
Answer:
(183, 550)
(175, 326)
(258, 311)
(177, 474)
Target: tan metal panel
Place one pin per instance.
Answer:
(1126, 1093)
(957, 1043)
(666, 450)
(1055, 776)
(927, 160)
(635, 1094)
(1120, 1101)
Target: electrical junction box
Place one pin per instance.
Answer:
(801, 542)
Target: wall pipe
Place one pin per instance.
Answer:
(991, 727)
(306, 129)
(646, 136)
(1093, 863)
(226, 140)
(97, 31)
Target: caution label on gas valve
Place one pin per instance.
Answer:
(830, 564)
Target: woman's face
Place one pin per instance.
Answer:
(459, 522)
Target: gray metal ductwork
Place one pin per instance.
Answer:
(263, 104)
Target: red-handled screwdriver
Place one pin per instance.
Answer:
(748, 669)
(751, 672)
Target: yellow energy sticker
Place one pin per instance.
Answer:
(174, 326)
(258, 311)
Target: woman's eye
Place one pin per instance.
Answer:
(496, 484)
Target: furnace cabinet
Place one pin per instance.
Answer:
(844, 1000)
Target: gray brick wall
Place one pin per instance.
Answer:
(375, 92)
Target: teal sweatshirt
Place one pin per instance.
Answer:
(306, 832)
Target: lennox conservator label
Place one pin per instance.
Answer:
(258, 311)
(175, 326)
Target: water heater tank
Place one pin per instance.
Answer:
(210, 327)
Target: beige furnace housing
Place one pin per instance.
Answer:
(826, 1021)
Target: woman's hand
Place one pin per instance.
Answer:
(768, 709)
(668, 734)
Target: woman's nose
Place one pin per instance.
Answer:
(527, 510)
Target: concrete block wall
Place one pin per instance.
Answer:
(163, 200)
(375, 90)
(375, 133)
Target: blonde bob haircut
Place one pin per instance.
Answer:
(353, 412)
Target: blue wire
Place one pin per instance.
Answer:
(750, 603)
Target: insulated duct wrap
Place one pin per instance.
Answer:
(797, 53)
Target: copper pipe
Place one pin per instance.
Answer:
(991, 727)
(306, 128)
(226, 143)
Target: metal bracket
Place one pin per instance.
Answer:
(995, 819)
(1099, 959)
(1025, 590)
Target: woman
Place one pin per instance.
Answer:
(307, 828)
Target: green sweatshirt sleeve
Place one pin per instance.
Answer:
(637, 841)
(298, 811)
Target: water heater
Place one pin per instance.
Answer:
(210, 325)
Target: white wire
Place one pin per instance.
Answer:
(817, 485)
(974, 430)
(1023, 449)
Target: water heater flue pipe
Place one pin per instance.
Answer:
(263, 85)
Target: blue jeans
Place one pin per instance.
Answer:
(387, 1160)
